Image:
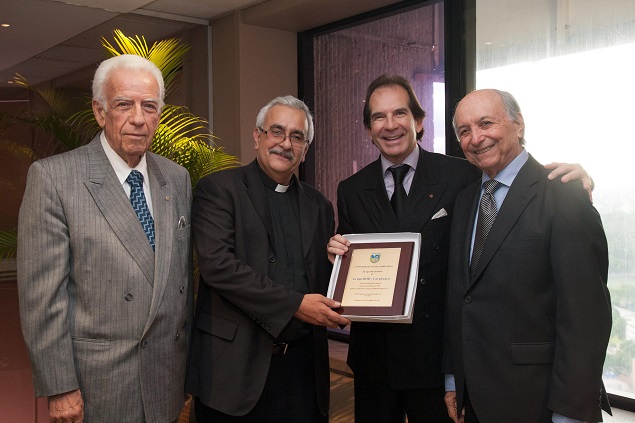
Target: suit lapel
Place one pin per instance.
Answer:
(425, 193)
(309, 211)
(258, 197)
(115, 206)
(523, 190)
(165, 221)
(375, 200)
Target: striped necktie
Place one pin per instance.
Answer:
(139, 204)
(486, 215)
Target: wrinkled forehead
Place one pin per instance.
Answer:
(478, 105)
(134, 80)
(286, 118)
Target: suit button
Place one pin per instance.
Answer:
(128, 297)
(468, 299)
(272, 259)
(178, 336)
(181, 289)
(423, 281)
(144, 343)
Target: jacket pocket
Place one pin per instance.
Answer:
(216, 326)
(533, 353)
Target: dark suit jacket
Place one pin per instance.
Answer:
(406, 356)
(240, 310)
(528, 333)
(100, 310)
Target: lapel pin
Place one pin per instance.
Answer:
(167, 198)
(430, 195)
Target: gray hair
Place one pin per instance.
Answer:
(124, 62)
(289, 101)
(511, 108)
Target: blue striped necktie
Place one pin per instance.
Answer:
(139, 204)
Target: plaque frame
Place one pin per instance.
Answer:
(402, 307)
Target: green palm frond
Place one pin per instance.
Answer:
(209, 160)
(127, 45)
(59, 101)
(19, 151)
(166, 54)
(57, 126)
(84, 122)
(8, 244)
(184, 138)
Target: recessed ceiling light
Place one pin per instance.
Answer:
(488, 43)
(5, 25)
(9, 82)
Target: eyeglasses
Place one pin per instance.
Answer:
(277, 135)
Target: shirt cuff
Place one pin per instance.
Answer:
(558, 418)
(450, 384)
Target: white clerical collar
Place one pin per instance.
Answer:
(282, 188)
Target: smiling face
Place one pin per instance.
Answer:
(393, 128)
(132, 113)
(489, 138)
(280, 159)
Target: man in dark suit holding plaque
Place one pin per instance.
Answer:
(397, 367)
(259, 351)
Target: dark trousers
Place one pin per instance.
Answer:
(470, 415)
(289, 394)
(377, 403)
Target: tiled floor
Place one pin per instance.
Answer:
(342, 390)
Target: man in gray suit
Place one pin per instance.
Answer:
(104, 263)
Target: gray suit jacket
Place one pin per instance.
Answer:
(99, 310)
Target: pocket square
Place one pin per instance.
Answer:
(181, 223)
(439, 214)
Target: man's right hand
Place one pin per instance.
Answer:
(316, 309)
(338, 245)
(66, 408)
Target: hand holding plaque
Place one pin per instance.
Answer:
(376, 279)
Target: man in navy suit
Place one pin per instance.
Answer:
(397, 366)
(529, 313)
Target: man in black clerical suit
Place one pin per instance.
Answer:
(259, 351)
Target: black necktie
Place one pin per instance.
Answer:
(486, 215)
(399, 196)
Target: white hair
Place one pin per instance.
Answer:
(124, 62)
(289, 101)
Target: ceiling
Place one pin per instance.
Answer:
(49, 39)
